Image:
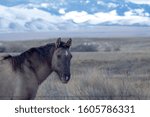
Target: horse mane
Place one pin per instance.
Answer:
(43, 53)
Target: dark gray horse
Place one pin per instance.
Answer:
(21, 75)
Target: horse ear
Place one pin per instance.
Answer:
(58, 42)
(69, 42)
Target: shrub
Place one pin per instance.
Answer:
(85, 48)
(2, 49)
(116, 49)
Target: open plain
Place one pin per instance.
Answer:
(101, 68)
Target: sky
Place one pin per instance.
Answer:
(70, 15)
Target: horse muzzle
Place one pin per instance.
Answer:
(65, 78)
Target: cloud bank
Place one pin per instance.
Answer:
(140, 1)
(13, 19)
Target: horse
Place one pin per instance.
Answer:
(22, 74)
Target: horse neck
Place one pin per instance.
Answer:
(42, 72)
(43, 69)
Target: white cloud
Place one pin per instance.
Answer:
(44, 5)
(87, 1)
(112, 5)
(77, 17)
(100, 2)
(109, 5)
(101, 17)
(136, 16)
(112, 17)
(20, 19)
(137, 12)
(140, 1)
(62, 11)
(147, 14)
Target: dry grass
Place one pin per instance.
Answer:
(102, 76)
(124, 74)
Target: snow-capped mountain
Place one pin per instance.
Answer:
(45, 15)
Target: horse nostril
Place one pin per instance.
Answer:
(67, 78)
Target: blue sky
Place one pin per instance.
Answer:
(47, 15)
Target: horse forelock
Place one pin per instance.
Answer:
(63, 45)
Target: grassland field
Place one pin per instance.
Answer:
(123, 74)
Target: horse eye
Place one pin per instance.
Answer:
(70, 56)
(58, 56)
